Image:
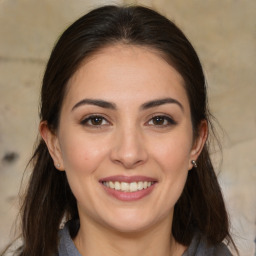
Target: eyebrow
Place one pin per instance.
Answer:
(159, 102)
(144, 106)
(99, 103)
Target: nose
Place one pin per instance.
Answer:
(129, 149)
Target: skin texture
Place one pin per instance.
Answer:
(128, 141)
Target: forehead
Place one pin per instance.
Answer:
(123, 72)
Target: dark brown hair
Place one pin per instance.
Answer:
(49, 198)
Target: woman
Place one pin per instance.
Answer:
(123, 158)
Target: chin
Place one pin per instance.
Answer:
(130, 228)
(131, 223)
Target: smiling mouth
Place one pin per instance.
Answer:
(128, 186)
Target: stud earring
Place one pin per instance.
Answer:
(58, 165)
(194, 163)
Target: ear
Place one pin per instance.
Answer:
(199, 142)
(52, 143)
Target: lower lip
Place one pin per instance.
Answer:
(129, 196)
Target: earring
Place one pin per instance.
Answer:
(194, 163)
(58, 165)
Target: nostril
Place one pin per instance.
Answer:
(129, 164)
(128, 149)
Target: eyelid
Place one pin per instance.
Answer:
(89, 117)
(84, 121)
(170, 120)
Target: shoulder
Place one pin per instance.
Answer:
(200, 247)
(66, 245)
(222, 249)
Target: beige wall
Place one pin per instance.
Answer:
(224, 35)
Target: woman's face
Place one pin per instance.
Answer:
(125, 138)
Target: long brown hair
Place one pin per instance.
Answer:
(49, 198)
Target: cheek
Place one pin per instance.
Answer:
(81, 154)
(173, 153)
(173, 157)
(174, 165)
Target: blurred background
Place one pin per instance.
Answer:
(222, 32)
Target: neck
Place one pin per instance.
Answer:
(96, 240)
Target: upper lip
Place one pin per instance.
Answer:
(127, 179)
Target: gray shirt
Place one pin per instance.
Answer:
(198, 246)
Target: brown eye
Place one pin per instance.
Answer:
(158, 120)
(94, 121)
(161, 121)
(97, 120)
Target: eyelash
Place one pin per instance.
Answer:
(88, 121)
(90, 118)
(168, 120)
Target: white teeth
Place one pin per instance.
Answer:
(117, 185)
(125, 186)
(111, 184)
(133, 187)
(128, 187)
(140, 185)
